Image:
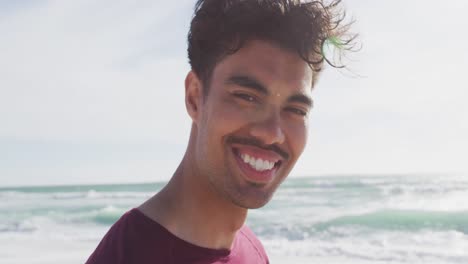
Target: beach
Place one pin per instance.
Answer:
(345, 219)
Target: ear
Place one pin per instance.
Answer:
(193, 95)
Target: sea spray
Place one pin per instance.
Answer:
(388, 219)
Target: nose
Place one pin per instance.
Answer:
(269, 130)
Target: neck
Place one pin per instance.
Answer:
(192, 210)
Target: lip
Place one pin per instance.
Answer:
(257, 152)
(252, 175)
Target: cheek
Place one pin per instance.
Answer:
(230, 117)
(220, 120)
(298, 134)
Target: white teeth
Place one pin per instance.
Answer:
(257, 164)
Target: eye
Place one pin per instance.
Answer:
(245, 97)
(296, 111)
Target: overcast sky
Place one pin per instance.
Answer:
(92, 92)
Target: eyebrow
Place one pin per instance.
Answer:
(300, 98)
(249, 82)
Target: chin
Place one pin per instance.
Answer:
(251, 198)
(251, 205)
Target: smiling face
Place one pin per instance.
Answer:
(251, 127)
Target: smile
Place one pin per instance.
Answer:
(256, 164)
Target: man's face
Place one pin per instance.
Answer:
(252, 124)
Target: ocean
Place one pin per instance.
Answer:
(387, 219)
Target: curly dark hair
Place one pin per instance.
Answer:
(221, 27)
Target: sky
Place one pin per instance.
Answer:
(92, 92)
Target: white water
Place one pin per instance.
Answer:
(398, 220)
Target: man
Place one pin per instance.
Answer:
(254, 63)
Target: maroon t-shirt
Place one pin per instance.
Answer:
(137, 239)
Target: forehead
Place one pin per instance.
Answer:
(275, 67)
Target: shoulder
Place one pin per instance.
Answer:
(247, 236)
(133, 237)
(110, 247)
